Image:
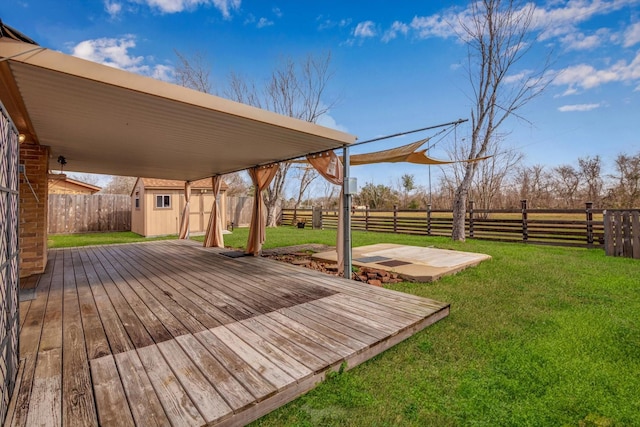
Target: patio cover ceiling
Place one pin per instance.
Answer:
(109, 121)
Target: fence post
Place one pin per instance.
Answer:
(525, 230)
(316, 218)
(608, 233)
(366, 217)
(395, 218)
(471, 219)
(635, 233)
(589, 207)
(429, 219)
(627, 249)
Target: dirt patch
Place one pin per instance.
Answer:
(301, 255)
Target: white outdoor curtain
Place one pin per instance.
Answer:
(261, 177)
(184, 221)
(213, 237)
(328, 165)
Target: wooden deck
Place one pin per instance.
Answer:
(170, 333)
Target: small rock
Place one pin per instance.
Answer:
(375, 282)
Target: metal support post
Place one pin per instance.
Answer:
(346, 212)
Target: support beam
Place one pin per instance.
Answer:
(346, 212)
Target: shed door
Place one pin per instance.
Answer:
(9, 153)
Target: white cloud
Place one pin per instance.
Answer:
(276, 11)
(163, 72)
(365, 29)
(392, 33)
(587, 77)
(557, 21)
(517, 78)
(632, 35)
(114, 52)
(325, 23)
(113, 8)
(327, 120)
(109, 51)
(578, 107)
(264, 22)
(580, 41)
(435, 26)
(174, 6)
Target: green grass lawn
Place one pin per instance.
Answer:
(71, 240)
(537, 336)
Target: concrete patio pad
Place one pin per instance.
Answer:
(413, 263)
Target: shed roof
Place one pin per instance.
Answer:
(109, 121)
(172, 184)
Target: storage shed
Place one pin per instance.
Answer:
(157, 205)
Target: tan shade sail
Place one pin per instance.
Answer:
(110, 121)
(405, 153)
(393, 155)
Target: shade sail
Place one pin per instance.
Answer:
(105, 120)
(405, 153)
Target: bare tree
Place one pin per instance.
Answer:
(236, 184)
(87, 178)
(305, 175)
(406, 184)
(120, 185)
(534, 185)
(491, 174)
(377, 196)
(497, 35)
(296, 90)
(193, 72)
(591, 174)
(626, 190)
(566, 180)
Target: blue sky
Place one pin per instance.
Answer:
(397, 64)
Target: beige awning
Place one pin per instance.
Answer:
(109, 121)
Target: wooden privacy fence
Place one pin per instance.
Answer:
(622, 233)
(239, 210)
(79, 213)
(561, 227)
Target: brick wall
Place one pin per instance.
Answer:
(33, 213)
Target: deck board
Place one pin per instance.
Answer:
(78, 408)
(113, 408)
(171, 333)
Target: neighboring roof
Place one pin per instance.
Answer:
(61, 178)
(109, 121)
(171, 184)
